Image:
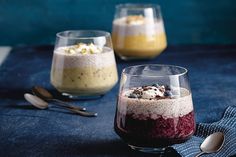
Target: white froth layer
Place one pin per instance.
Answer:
(148, 27)
(167, 108)
(63, 60)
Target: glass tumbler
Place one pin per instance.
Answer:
(138, 31)
(83, 64)
(154, 107)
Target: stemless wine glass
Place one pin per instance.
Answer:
(83, 63)
(138, 31)
(154, 107)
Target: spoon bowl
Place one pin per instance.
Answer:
(42, 92)
(36, 101)
(212, 144)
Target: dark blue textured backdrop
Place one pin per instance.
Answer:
(187, 21)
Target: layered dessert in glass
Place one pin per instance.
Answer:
(154, 116)
(138, 31)
(83, 69)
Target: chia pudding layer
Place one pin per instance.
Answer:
(154, 116)
(83, 71)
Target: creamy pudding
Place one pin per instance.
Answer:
(155, 116)
(138, 36)
(83, 69)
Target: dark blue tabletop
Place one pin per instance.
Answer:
(26, 131)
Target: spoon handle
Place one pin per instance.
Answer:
(199, 154)
(65, 104)
(82, 113)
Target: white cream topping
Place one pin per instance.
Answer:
(129, 20)
(147, 92)
(82, 48)
(134, 19)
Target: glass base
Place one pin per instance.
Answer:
(82, 97)
(148, 149)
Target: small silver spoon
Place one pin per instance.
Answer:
(212, 144)
(47, 96)
(41, 104)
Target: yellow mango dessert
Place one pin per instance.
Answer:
(136, 36)
(83, 69)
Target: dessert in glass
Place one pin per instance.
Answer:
(154, 107)
(83, 64)
(138, 31)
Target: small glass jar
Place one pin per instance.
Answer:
(83, 63)
(154, 107)
(138, 31)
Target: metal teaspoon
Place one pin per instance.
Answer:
(41, 104)
(46, 95)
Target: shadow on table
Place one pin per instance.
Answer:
(27, 106)
(22, 106)
(104, 148)
(12, 93)
(19, 93)
(108, 148)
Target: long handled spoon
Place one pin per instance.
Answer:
(212, 144)
(47, 96)
(41, 104)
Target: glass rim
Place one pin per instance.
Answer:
(124, 71)
(102, 34)
(137, 6)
